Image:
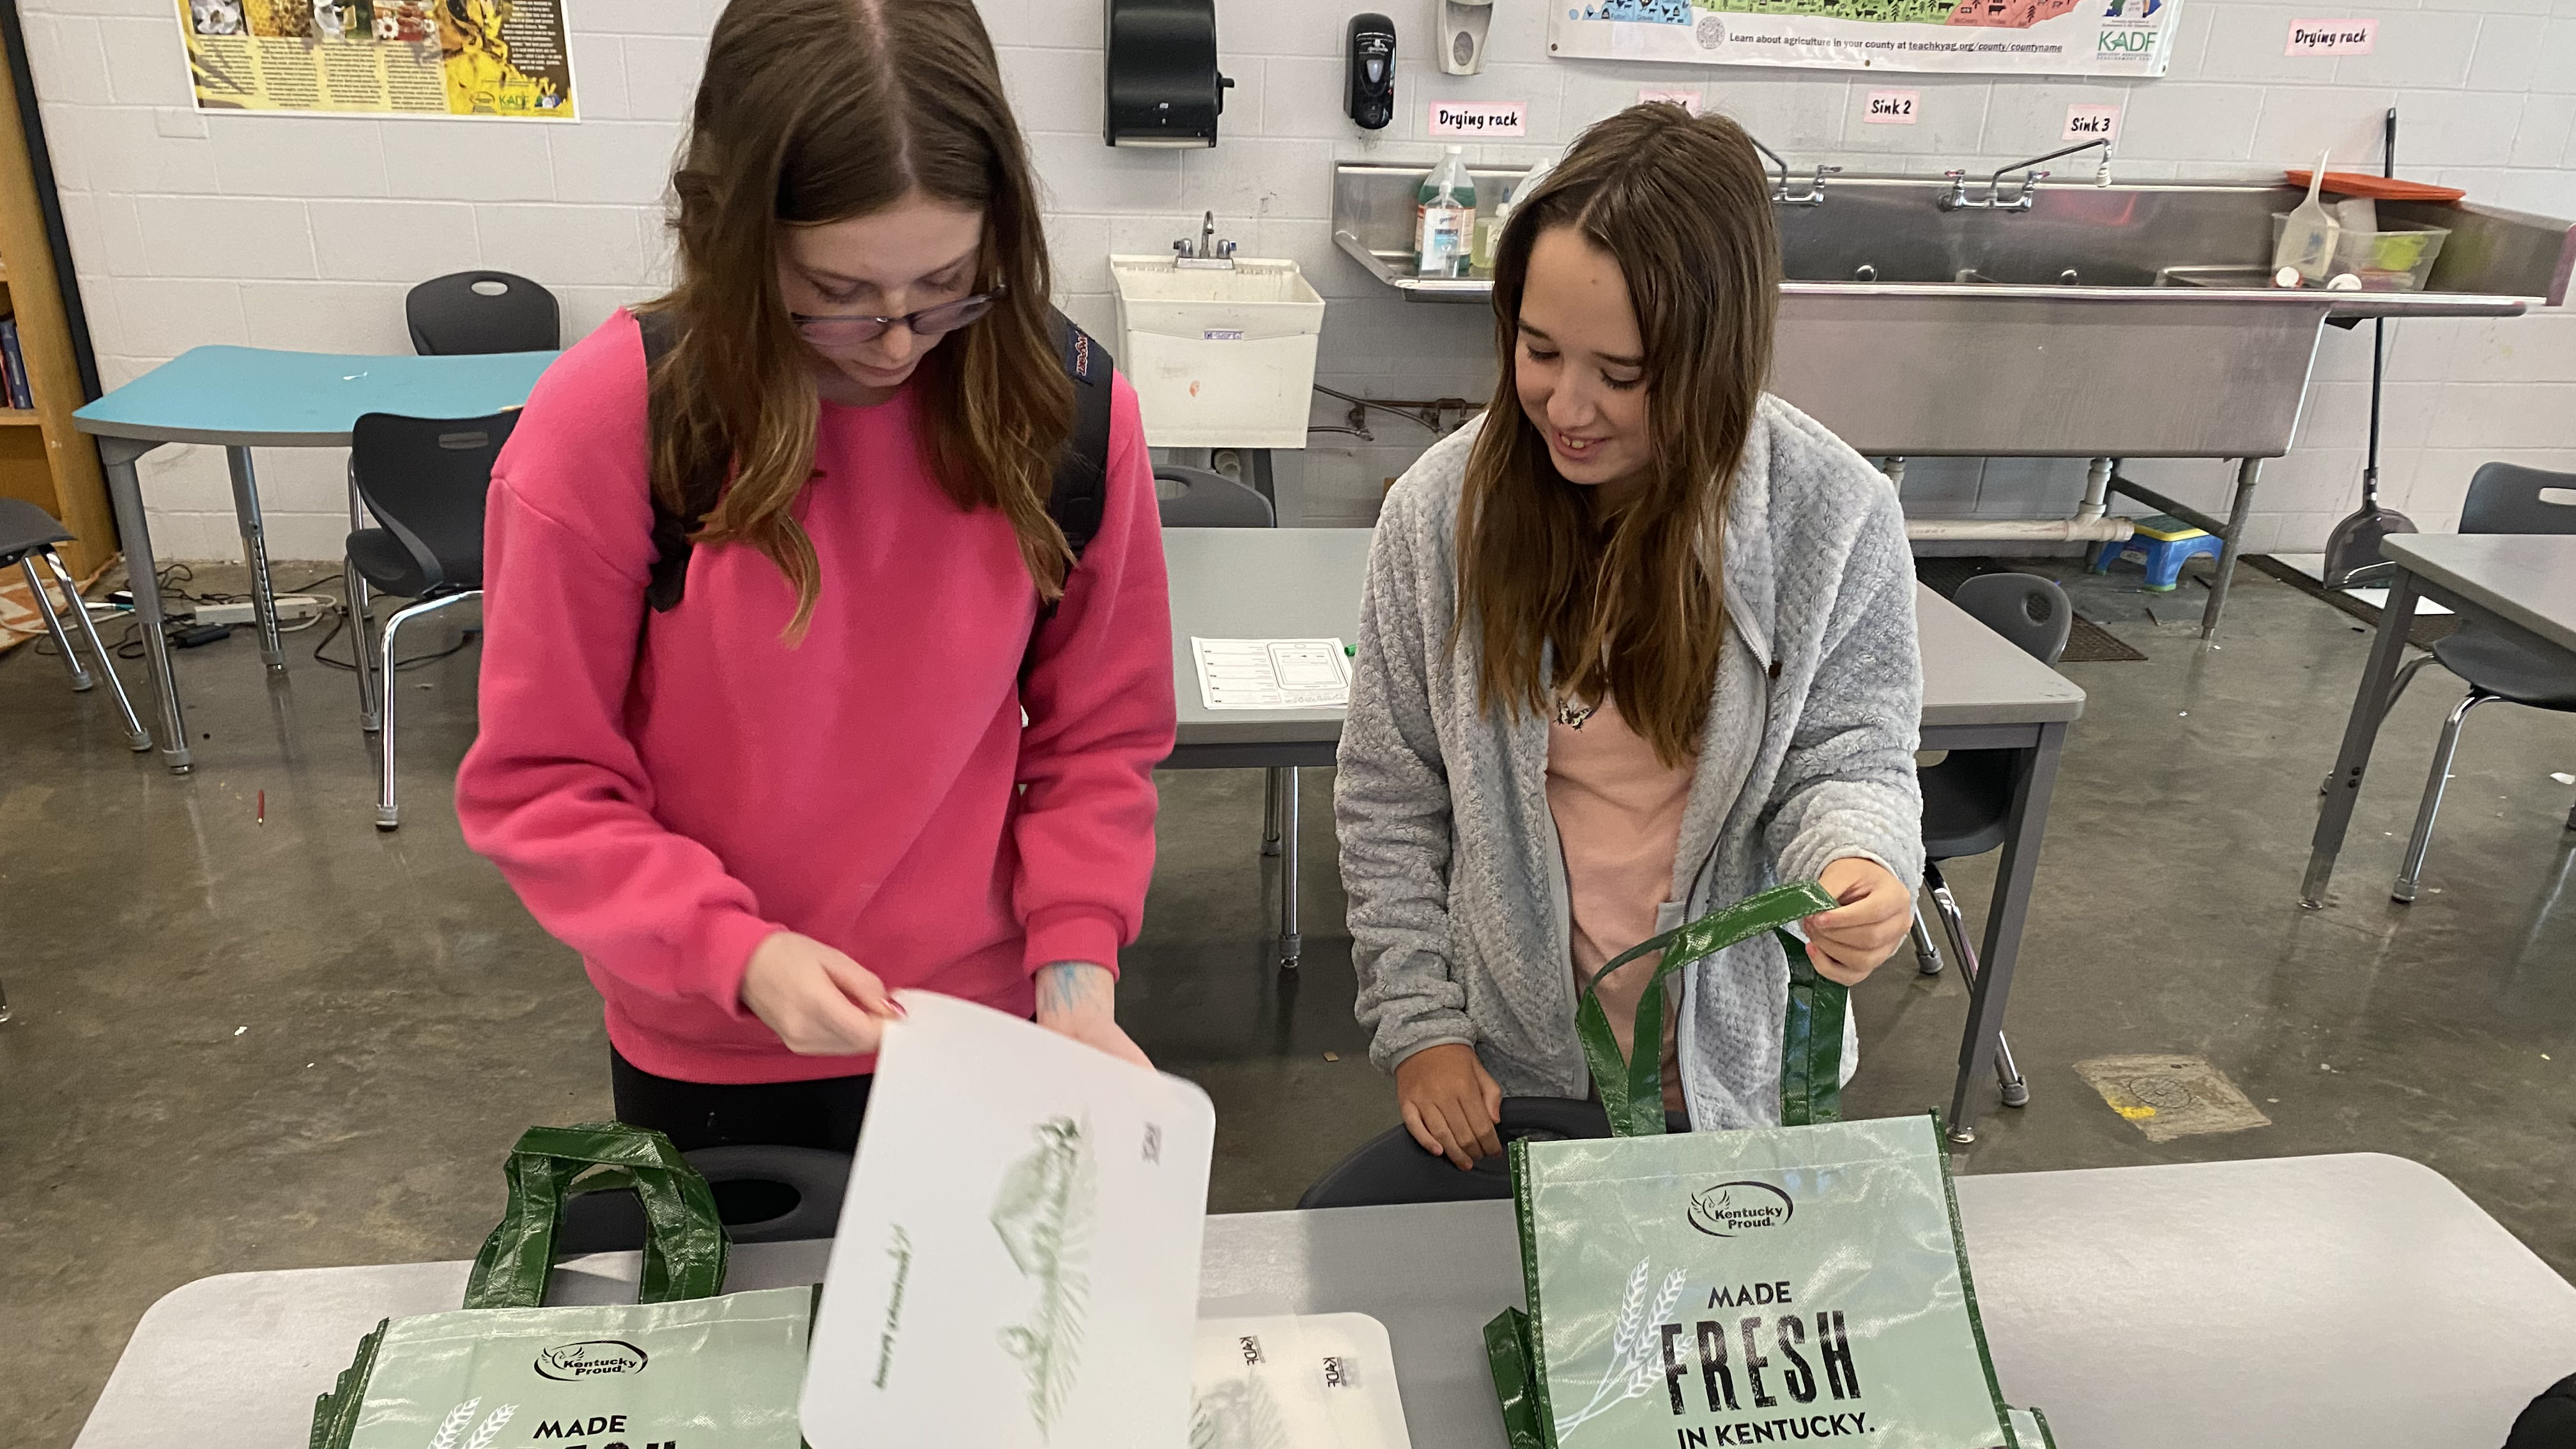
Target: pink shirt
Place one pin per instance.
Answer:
(1618, 813)
(664, 791)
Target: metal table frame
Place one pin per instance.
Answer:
(1221, 590)
(2459, 572)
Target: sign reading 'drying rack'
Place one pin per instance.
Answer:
(1985, 37)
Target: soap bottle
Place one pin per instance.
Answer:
(1444, 218)
(1489, 231)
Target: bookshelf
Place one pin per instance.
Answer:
(43, 457)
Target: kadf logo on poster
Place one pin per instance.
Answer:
(1732, 1208)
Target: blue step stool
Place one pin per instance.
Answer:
(2163, 542)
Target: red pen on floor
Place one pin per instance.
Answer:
(263, 807)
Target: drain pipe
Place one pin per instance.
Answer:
(2097, 490)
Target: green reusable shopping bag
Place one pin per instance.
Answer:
(685, 1368)
(1774, 1285)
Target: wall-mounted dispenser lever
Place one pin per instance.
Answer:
(1369, 90)
(1160, 78)
(1463, 24)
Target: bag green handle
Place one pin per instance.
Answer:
(684, 1239)
(1811, 1049)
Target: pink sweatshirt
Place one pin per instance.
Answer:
(663, 803)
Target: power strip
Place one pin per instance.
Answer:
(290, 607)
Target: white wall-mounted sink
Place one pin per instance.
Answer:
(1220, 356)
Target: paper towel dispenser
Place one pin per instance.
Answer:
(1161, 79)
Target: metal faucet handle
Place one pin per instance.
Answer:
(1960, 175)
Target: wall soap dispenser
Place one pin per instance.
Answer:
(1161, 82)
(1368, 92)
(1463, 24)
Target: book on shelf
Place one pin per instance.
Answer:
(15, 358)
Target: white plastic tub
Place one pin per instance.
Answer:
(1219, 358)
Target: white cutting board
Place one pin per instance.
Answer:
(1017, 1263)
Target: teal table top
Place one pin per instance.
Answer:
(256, 397)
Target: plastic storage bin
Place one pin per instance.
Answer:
(1219, 357)
(2395, 259)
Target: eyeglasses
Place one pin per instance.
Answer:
(936, 321)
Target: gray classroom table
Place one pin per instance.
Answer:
(1980, 692)
(2336, 1302)
(2522, 586)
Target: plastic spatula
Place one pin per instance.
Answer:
(2307, 243)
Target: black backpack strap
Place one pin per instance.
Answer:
(670, 575)
(1076, 500)
(1081, 491)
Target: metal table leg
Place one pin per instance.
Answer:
(2360, 732)
(142, 578)
(1290, 945)
(263, 597)
(2034, 779)
(2231, 544)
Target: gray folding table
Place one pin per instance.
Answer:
(1979, 692)
(2291, 1303)
(2522, 586)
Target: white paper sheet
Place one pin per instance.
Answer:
(1017, 1262)
(1273, 673)
(1296, 1381)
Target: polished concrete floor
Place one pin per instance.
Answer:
(242, 1045)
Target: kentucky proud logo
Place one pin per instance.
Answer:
(1732, 1208)
(590, 1359)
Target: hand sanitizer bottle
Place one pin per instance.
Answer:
(1444, 218)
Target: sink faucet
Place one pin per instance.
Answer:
(1956, 198)
(1814, 195)
(1212, 252)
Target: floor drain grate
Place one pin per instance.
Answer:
(2167, 1097)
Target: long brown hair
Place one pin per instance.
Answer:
(817, 111)
(1630, 601)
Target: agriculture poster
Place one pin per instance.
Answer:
(1990, 37)
(492, 58)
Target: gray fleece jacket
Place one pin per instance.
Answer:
(1457, 884)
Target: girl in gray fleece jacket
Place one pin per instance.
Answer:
(1636, 643)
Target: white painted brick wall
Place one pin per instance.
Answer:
(304, 232)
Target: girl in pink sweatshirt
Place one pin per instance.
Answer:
(892, 732)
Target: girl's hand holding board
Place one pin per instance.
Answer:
(819, 1001)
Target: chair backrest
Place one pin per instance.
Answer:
(1212, 500)
(2025, 608)
(482, 312)
(425, 480)
(764, 1195)
(2509, 498)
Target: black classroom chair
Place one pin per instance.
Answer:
(425, 480)
(482, 311)
(1212, 500)
(764, 1195)
(27, 536)
(2503, 498)
(1967, 798)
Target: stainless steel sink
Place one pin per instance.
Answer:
(2119, 321)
